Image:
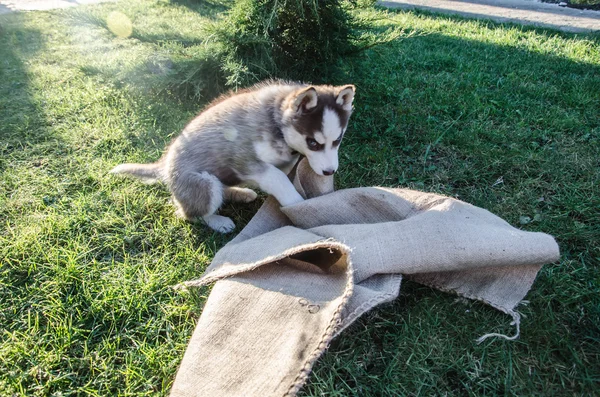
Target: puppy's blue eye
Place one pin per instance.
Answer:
(313, 145)
(337, 141)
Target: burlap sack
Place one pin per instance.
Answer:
(297, 276)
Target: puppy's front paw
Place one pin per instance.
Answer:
(239, 194)
(249, 195)
(291, 199)
(219, 223)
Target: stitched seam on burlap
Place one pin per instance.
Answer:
(329, 331)
(353, 315)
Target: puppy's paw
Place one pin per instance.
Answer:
(291, 198)
(249, 195)
(219, 223)
(240, 194)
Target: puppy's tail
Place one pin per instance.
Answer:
(148, 173)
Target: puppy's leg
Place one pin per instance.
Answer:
(239, 194)
(274, 181)
(199, 195)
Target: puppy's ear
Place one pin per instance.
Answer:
(345, 97)
(305, 100)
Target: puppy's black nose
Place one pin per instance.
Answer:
(328, 172)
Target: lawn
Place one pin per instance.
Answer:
(501, 116)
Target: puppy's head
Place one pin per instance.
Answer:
(315, 120)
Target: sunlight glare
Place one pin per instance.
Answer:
(119, 24)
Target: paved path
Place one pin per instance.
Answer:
(527, 12)
(7, 6)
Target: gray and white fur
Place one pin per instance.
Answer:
(252, 138)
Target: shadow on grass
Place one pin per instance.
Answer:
(424, 102)
(22, 123)
(26, 136)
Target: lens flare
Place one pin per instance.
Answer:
(119, 24)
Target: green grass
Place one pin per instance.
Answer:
(504, 117)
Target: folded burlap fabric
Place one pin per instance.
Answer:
(295, 277)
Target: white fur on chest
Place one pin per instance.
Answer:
(280, 156)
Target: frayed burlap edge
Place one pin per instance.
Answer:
(516, 316)
(218, 275)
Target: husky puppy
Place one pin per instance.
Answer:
(254, 138)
